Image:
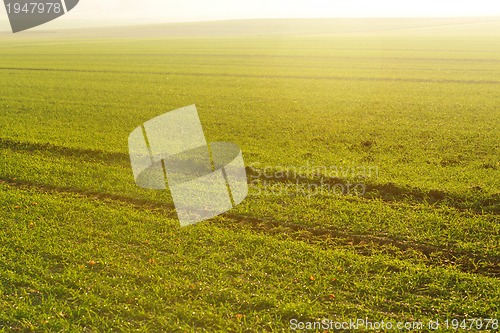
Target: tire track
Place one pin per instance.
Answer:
(389, 192)
(88, 154)
(288, 77)
(365, 245)
(309, 56)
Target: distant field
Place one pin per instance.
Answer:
(407, 111)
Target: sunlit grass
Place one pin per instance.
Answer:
(84, 249)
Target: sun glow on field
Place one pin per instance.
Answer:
(223, 9)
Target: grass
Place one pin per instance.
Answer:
(71, 262)
(84, 249)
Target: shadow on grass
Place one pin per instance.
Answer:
(389, 192)
(363, 244)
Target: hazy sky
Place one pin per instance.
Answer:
(143, 11)
(230, 9)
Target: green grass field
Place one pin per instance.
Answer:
(415, 103)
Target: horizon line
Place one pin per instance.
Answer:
(87, 24)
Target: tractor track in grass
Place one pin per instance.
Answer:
(388, 192)
(253, 76)
(88, 154)
(366, 245)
